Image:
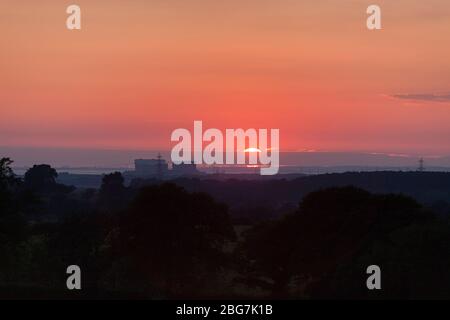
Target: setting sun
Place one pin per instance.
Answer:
(252, 150)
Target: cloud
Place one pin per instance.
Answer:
(395, 155)
(424, 97)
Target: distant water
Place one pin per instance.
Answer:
(87, 170)
(244, 170)
(90, 161)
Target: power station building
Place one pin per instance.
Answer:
(184, 169)
(159, 168)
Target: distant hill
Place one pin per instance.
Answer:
(429, 188)
(266, 197)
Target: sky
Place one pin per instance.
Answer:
(139, 69)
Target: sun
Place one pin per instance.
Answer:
(252, 150)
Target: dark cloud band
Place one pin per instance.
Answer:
(424, 97)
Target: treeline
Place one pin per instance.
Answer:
(273, 198)
(161, 241)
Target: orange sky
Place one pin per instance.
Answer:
(139, 69)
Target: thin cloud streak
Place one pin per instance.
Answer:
(424, 97)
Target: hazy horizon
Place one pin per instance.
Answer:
(82, 157)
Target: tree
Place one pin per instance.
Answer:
(112, 183)
(7, 176)
(330, 228)
(113, 195)
(9, 185)
(414, 264)
(41, 177)
(7, 182)
(169, 237)
(78, 239)
(12, 223)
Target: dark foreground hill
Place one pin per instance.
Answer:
(163, 241)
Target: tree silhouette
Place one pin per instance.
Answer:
(12, 222)
(41, 177)
(113, 194)
(330, 228)
(7, 176)
(112, 183)
(166, 241)
(414, 262)
(7, 182)
(170, 236)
